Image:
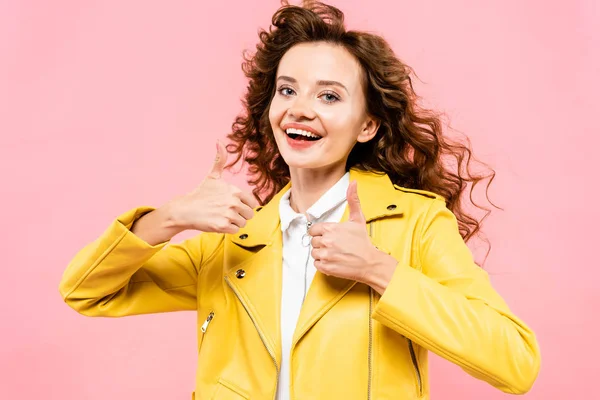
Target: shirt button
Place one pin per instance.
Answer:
(240, 273)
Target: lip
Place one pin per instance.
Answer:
(300, 126)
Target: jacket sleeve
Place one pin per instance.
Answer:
(450, 308)
(120, 274)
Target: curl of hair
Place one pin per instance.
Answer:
(409, 145)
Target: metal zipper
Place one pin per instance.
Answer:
(259, 334)
(308, 225)
(205, 324)
(413, 357)
(370, 342)
(370, 329)
(308, 243)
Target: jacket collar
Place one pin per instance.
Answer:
(256, 252)
(378, 198)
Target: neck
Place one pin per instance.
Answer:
(308, 185)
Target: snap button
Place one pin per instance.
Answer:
(243, 236)
(391, 207)
(240, 273)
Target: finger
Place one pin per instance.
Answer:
(236, 219)
(220, 161)
(244, 210)
(324, 267)
(249, 199)
(320, 265)
(356, 214)
(321, 228)
(231, 228)
(317, 242)
(224, 226)
(318, 254)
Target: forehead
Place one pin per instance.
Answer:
(310, 62)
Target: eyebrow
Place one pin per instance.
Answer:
(319, 83)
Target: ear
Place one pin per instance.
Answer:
(369, 130)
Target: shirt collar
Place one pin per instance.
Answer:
(379, 198)
(335, 196)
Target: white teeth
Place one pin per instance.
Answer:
(301, 132)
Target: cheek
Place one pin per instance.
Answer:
(341, 123)
(276, 112)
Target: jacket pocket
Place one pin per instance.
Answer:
(229, 391)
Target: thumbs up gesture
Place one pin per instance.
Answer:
(356, 215)
(215, 205)
(344, 249)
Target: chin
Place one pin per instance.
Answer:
(294, 162)
(319, 163)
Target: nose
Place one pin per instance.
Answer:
(301, 108)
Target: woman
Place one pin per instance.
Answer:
(355, 267)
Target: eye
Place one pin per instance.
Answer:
(330, 97)
(282, 90)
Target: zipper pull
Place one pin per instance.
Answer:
(208, 319)
(306, 237)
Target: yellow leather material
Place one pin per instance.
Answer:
(350, 343)
(228, 391)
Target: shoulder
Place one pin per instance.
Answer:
(418, 192)
(422, 205)
(419, 200)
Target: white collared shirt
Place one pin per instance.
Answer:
(298, 264)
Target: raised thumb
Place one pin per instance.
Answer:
(356, 214)
(220, 161)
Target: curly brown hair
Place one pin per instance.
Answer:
(409, 145)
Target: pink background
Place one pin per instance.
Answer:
(105, 105)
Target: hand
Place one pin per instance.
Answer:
(344, 249)
(215, 205)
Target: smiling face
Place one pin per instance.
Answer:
(318, 112)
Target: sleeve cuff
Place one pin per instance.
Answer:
(397, 295)
(125, 221)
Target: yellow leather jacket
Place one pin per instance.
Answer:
(350, 343)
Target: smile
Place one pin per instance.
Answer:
(299, 134)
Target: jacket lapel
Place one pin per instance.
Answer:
(256, 283)
(253, 271)
(377, 196)
(253, 262)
